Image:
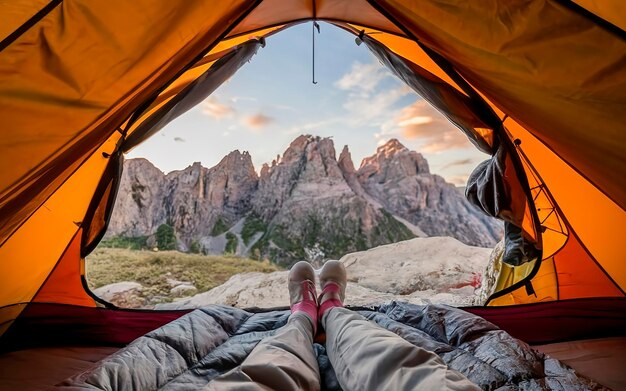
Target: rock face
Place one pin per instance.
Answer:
(401, 181)
(313, 212)
(193, 200)
(138, 208)
(420, 271)
(196, 198)
(307, 204)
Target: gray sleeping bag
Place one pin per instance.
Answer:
(192, 350)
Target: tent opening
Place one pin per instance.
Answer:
(271, 169)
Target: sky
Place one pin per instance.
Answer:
(271, 100)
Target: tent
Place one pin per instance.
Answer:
(539, 84)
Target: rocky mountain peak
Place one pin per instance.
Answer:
(139, 192)
(230, 183)
(143, 167)
(350, 175)
(304, 203)
(391, 147)
(401, 181)
(236, 160)
(345, 161)
(265, 171)
(392, 162)
(307, 169)
(296, 149)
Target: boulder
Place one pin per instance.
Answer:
(125, 294)
(183, 290)
(438, 264)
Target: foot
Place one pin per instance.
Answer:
(302, 294)
(333, 281)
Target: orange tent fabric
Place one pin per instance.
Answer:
(78, 76)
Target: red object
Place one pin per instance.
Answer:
(556, 321)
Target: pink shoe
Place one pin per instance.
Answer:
(333, 280)
(302, 293)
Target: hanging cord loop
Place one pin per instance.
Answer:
(315, 26)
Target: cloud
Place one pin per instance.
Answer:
(179, 139)
(459, 162)
(373, 109)
(363, 78)
(257, 121)
(236, 99)
(213, 108)
(370, 98)
(422, 121)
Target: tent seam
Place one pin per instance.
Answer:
(598, 20)
(17, 33)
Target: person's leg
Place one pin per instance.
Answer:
(368, 357)
(285, 361)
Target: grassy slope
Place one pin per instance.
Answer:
(152, 269)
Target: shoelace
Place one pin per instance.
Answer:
(308, 291)
(330, 287)
(308, 304)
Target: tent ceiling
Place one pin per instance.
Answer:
(77, 91)
(277, 12)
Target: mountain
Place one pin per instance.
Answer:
(312, 212)
(193, 200)
(306, 204)
(401, 180)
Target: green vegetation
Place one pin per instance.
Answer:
(288, 252)
(219, 228)
(251, 226)
(312, 232)
(360, 243)
(152, 269)
(391, 229)
(334, 237)
(165, 237)
(195, 247)
(231, 243)
(131, 243)
(258, 250)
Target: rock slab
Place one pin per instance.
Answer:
(422, 270)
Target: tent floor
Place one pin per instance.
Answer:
(41, 368)
(599, 359)
(35, 369)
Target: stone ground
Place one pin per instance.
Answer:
(422, 270)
